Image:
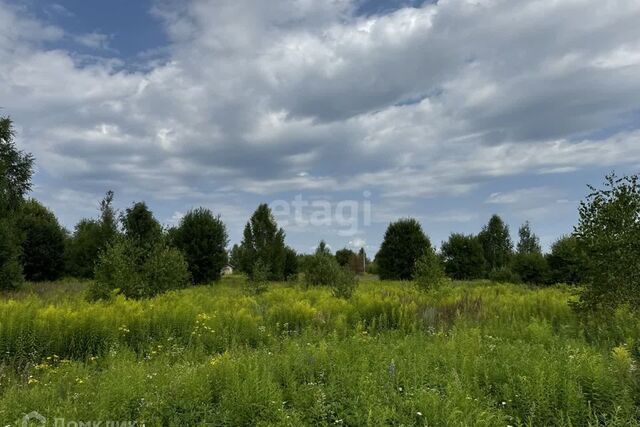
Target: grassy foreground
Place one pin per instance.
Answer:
(470, 354)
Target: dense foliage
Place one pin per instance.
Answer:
(263, 241)
(345, 256)
(43, 242)
(140, 226)
(567, 261)
(16, 169)
(529, 243)
(126, 269)
(463, 257)
(529, 264)
(429, 273)
(531, 268)
(404, 242)
(322, 268)
(608, 233)
(496, 244)
(467, 354)
(90, 238)
(202, 237)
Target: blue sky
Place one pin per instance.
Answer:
(445, 111)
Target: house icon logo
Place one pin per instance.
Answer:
(33, 418)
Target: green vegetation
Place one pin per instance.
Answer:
(496, 244)
(126, 269)
(263, 242)
(90, 238)
(466, 354)
(202, 237)
(43, 242)
(404, 243)
(428, 272)
(609, 234)
(463, 257)
(16, 169)
(140, 343)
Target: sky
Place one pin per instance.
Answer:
(343, 115)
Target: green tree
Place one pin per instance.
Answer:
(323, 248)
(90, 237)
(16, 169)
(10, 268)
(120, 271)
(529, 242)
(264, 241)
(345, 257)
(359, 262)
(567, 261)
(404, 243)
(290, 264)
(235, 257)
(428, 271)
(83, 248)
(528, 262)
(108, 219)
(608, 232)
(531, 268)
(344, 283)
(202, 237)
(463, 257)
(43, 243)
(496, 244)
(139, 225)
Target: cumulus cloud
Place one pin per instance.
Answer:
(290, 95)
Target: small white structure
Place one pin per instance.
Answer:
(227, 270)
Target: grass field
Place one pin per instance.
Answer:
(470, 354)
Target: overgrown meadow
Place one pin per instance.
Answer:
(470, 353)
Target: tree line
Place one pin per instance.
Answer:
(490, 254)
(130, 253)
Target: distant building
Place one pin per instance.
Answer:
(226, 270)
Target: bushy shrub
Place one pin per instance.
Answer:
(259, 280)
(321, 270)
(165, 269)
(344, 256)
(43, 242)
(404, 242)
(567, 262)
(463, 257)
(428, 271)
(531, 268)
(608, 233)
(117, 273)
(202, 238)
(344, 284)
(123, 270)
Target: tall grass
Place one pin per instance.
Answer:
(468, 354)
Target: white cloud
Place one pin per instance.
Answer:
(93, 40)
(267, 97)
